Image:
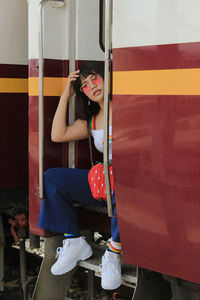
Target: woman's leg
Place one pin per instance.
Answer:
(114, 224)
(63, 187)
(111, 262)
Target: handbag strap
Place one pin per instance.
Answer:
(92, 122)
(90, 142)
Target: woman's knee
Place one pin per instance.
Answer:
(50, 177)
(49, 173)
(55, 173)
(57, 179)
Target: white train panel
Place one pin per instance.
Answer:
(155, 22)
(14, 32)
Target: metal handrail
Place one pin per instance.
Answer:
(106, 106)
(41, 97)
(41, 102)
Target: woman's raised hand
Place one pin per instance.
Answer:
(72, 77)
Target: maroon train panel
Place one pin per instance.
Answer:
(14, 131)
(156, 163)
(174, 56)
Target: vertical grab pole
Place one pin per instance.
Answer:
(108, 7)
(41, 102)
(72, 63)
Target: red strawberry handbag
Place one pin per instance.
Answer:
(96, 178)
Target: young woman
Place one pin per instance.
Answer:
(63, 186)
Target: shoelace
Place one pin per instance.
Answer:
(109, 267)
(60, 250)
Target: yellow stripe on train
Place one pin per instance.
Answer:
(13, 85)
(147, 82)
(157, 82)
(53, 86)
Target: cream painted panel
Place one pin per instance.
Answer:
(87, 33)
(56, 30)
(14, 32)
(33, 28)
(154, 22)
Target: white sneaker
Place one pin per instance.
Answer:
(72, 251)
(111, 271)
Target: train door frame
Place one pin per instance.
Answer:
(72, 68)
(54, 286)
(107, 98)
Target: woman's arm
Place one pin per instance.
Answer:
(60, 132)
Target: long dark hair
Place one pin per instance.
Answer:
(84, 110)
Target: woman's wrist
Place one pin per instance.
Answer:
(65, 95)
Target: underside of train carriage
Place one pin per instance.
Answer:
(154, 87)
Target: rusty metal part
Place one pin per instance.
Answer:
(116, 296)
(19, 224)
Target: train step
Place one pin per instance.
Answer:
(129, 277)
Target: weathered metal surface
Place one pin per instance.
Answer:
(49, 286)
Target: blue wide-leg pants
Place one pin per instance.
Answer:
(62, 188)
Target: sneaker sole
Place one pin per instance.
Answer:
(114, 287)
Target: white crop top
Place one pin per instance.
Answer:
(98, 138)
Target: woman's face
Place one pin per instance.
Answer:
(93, 87)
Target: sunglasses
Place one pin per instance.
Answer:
(86, 85)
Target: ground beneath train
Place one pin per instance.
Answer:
(78, 288)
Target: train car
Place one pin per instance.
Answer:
(13, 121)
(151, 54)
(155, 144)
(154, 56)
